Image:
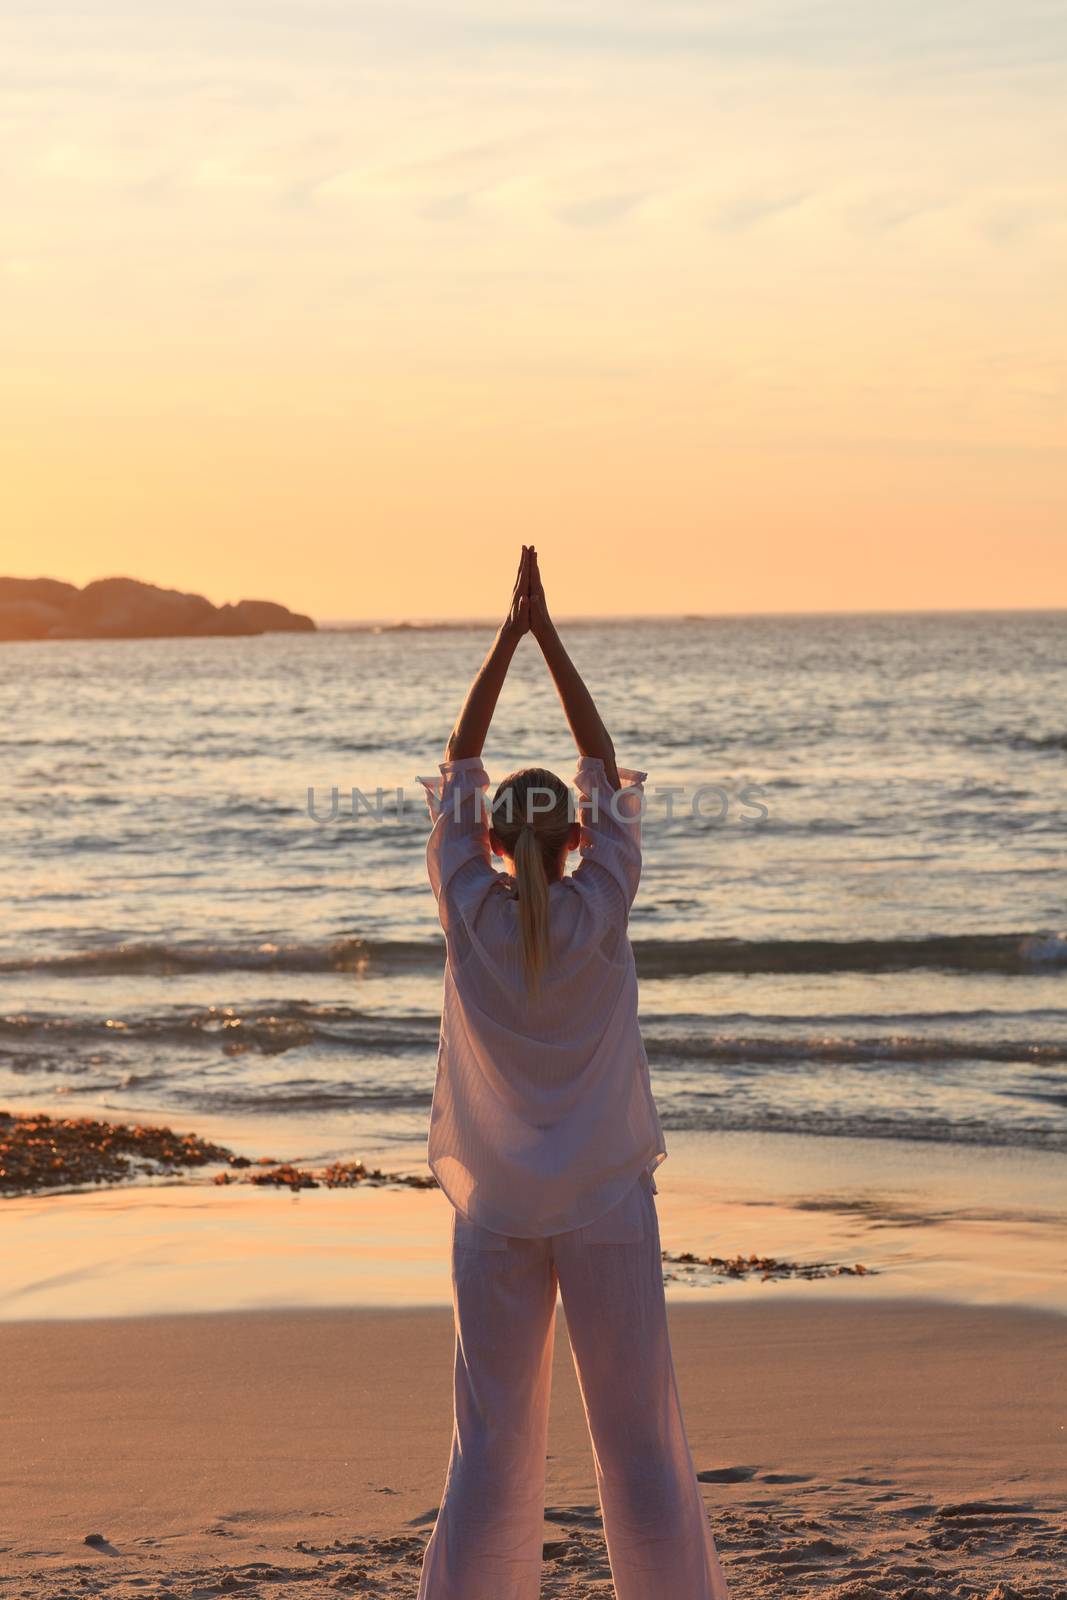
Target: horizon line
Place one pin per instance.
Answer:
(400, 621)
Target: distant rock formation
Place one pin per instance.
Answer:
(123, 608)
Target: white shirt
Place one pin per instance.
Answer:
(542, 1111)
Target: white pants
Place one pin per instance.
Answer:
(486, 1543)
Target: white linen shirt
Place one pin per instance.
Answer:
(542, 1112)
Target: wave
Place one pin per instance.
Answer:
(896, 1049)
(299, 1097)
(738, 1039)
(830, 1125)
(233, 1030)
(977, 952)
(1017, 739)
(163, 960)
(981, 952)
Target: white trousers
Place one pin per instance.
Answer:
(486, 1542)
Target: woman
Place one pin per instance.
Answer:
(544, 1136)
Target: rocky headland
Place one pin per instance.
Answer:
(125, 608)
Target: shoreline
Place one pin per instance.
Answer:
(890, 1449)
(977, 1228)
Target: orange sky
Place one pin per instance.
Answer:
(727, 309)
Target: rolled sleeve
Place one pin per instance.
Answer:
(458, 847)
(611, 824)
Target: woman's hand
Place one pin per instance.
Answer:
(590, 734)
(472, 725)
(540, 621)
(517, 621)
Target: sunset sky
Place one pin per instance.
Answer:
(743, 306)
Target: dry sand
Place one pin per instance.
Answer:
(899, 1448)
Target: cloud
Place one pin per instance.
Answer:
(1012, 220)
(447, 207)
(600, 211)
(881, 213)
(746, 209)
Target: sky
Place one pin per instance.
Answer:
(728, 307)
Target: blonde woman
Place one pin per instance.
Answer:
(544, 1136)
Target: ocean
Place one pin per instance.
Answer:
(852, 923)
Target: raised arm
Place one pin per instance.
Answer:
(586, 724)
(472, 724)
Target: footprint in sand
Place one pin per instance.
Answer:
(582, 1516)
(800, 1554)
(727, 1475)
(983, 1508)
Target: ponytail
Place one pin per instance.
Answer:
(527, 838)
(532, 884)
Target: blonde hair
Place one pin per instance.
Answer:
(533, 828)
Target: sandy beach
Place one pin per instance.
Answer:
(247, 1389)
(850, 1451)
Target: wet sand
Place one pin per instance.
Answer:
(849, 1449)
(987, 1231)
